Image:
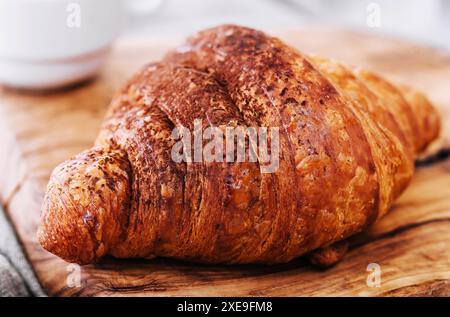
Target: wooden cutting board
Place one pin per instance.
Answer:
(411, 244)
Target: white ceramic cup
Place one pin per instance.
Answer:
(52, 43)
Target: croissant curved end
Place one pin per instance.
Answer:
(86, 205)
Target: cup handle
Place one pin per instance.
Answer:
(140, 10)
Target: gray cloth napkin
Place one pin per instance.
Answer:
(16, 275)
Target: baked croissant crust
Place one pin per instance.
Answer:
(347, 142)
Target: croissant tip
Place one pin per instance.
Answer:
(62, 244)
(84, 205)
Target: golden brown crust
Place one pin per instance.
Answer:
(347, 141)
(428, 122)
(274, 85)
(391, 152)
(216, 201)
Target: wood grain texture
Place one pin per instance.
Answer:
(411, 244)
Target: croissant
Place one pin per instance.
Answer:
(347, 140)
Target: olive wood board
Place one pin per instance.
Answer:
(411, 244)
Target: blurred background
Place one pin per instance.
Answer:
(424, 21)
(49, 44)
